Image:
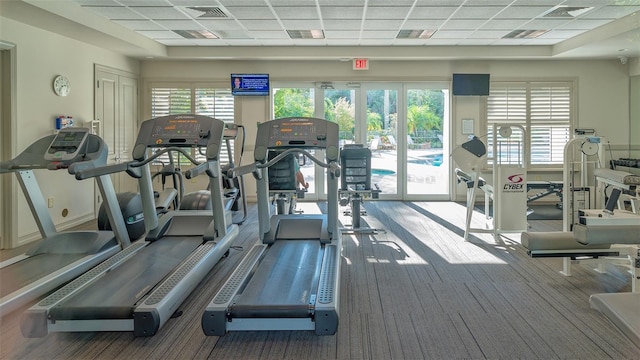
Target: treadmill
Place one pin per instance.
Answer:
(290, 279)
(141, 287)
(58, 257)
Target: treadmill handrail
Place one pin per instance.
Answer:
(333, 166)
(87, 172)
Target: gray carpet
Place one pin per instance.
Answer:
(417, 291)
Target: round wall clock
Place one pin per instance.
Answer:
(61, 85)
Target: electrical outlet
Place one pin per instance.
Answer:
(50, 202)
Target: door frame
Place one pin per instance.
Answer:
(8, 132)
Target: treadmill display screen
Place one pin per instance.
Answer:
(177, 132)
(67, 142)
(297, 133)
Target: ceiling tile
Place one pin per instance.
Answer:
(301, 24)
(560, 34)
(166, 34)
(342, 24)
(462, 24)
(180, 24)
(477, 12)
(250, 12)
(296, 12)
(262, 25)
(439, 2)
(382, 24)
(222, 24)
(610, 12)
(388, 3)
(153, 12)
(489, 34)
(489, 2)
(545, 23)
(338, 3)
(522, 12)
(504, 24)
(385, 12)
(583, 24)
(234, 34)
(120, 12)
(292, 2)
(139, 24)
(451, 34)
(97, 2)
(270, 34)
(432, 12)
(374, 34)
(242, 2)
(145, 2)
(342, 12)
(422, 24)
(328, 34)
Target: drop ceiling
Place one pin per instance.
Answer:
(392, 29)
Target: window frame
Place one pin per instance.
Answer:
(193, 87)
(527, 121)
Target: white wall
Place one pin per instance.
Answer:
(41, 56)
(602, 85)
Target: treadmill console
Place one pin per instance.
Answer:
(180, 131)
(67, 144)
(298, 133)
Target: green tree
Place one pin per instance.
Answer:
(420, 117)
(290, 102)
(344, 114)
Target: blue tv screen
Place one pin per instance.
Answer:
(250, 84)
(470, 84)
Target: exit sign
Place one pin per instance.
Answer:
(360, 64)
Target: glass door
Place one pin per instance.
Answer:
(377, 128)
(406, 126)
(427, 145)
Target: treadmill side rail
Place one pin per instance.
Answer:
(326, 307)
(214, 319)
(160, 305)
(37, 316)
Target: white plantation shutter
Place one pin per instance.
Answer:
(193, 99)
(550, 122)
(216, 103)
(505, 105)
(169, 101)
(544, 109)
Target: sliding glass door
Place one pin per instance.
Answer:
(406, 127)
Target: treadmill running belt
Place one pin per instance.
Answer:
(115, 294)
(27, 271)
(284, 281)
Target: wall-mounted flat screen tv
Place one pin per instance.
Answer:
(250, 84)
(470, 84)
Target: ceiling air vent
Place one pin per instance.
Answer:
(563, 11)
(208, 12)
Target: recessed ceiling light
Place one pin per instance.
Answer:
(196, 34)
(415, 34)
(306, 34)
(524, 34)
(564, 11)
